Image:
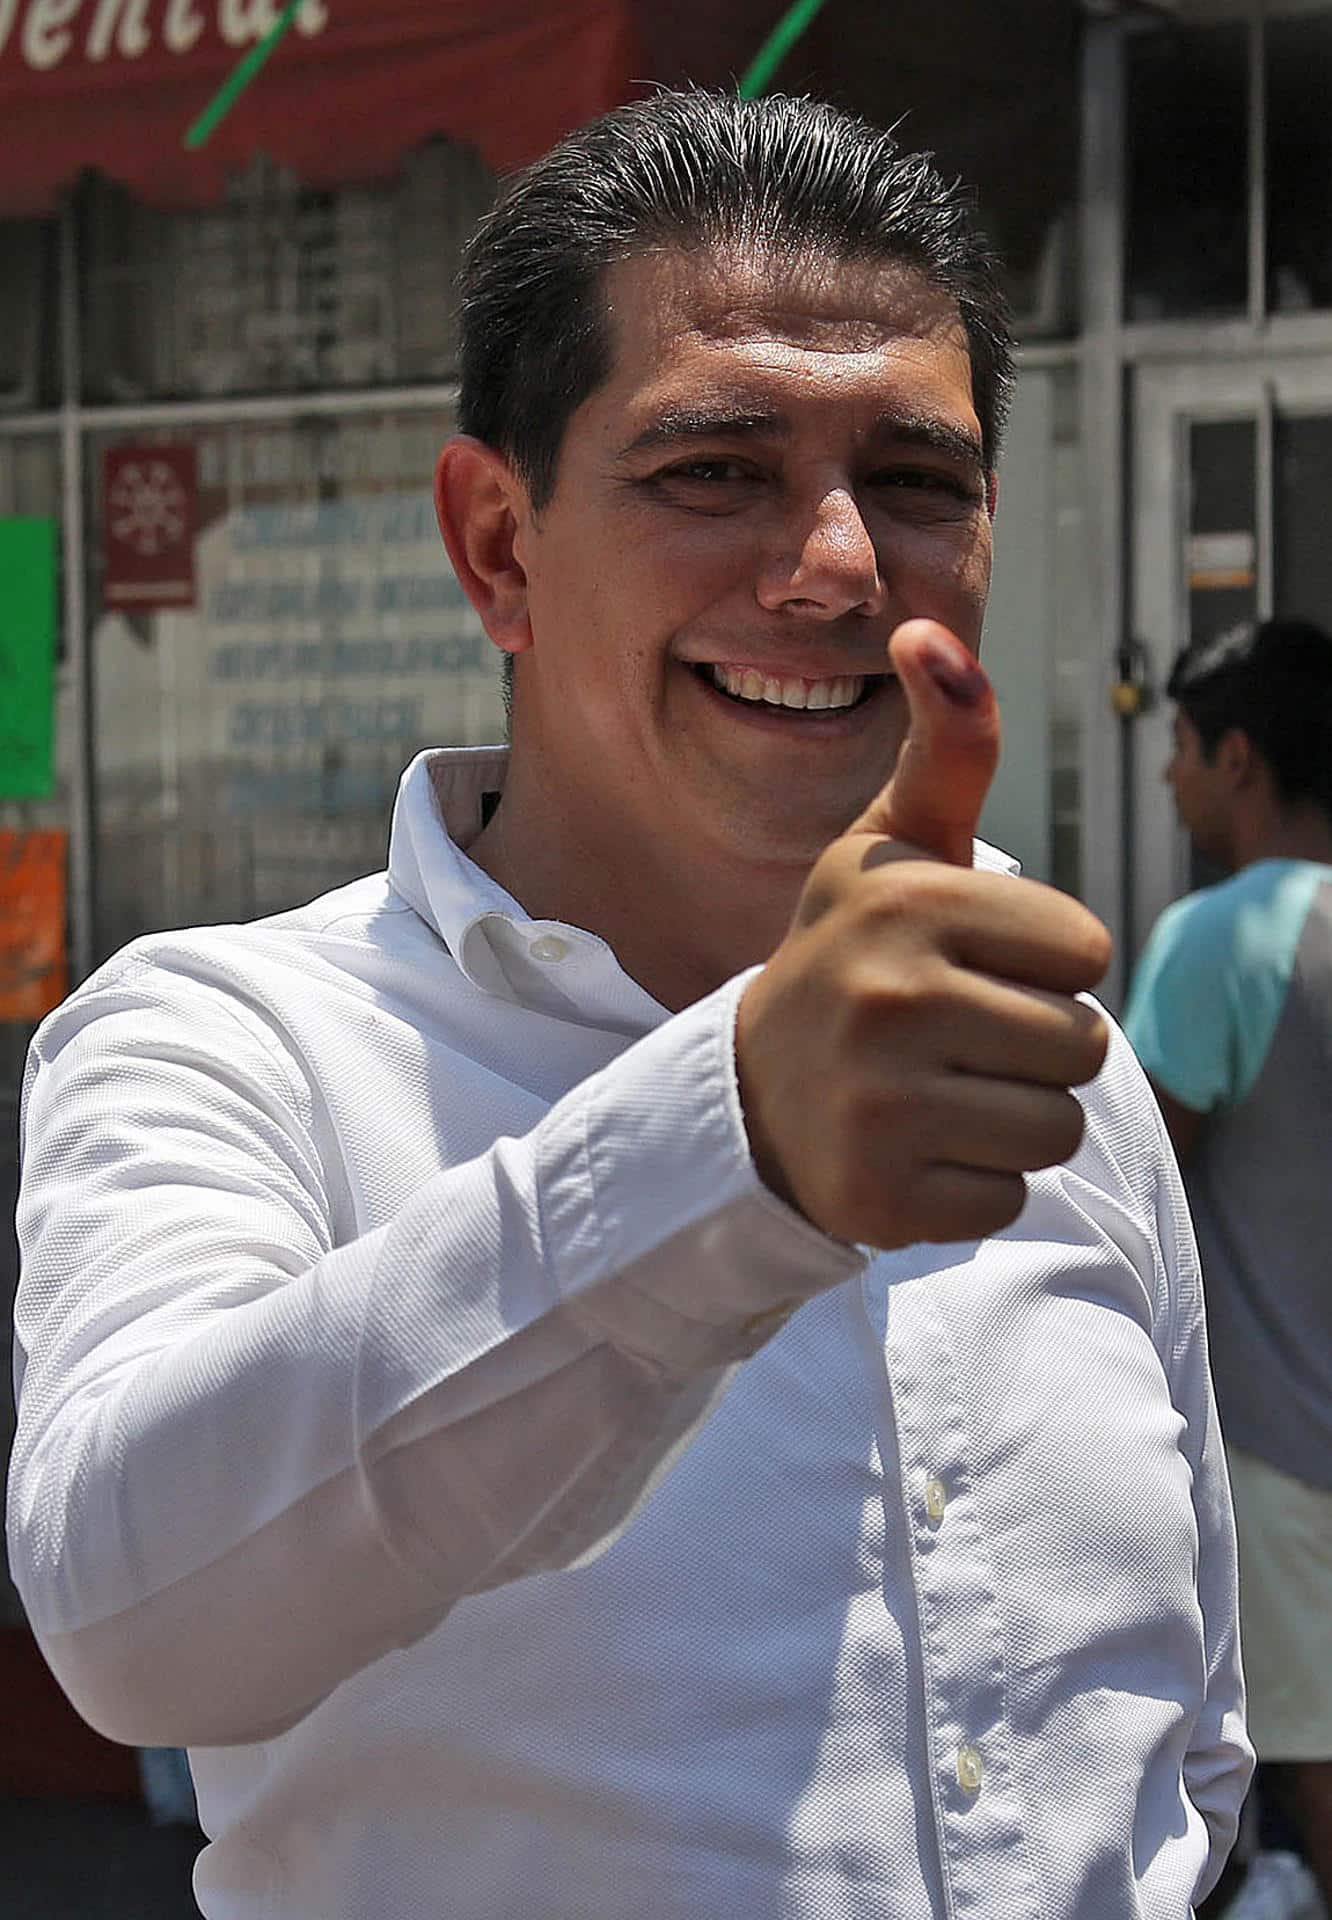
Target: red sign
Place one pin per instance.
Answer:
(355, 84)
(34, 976)
(150, 510)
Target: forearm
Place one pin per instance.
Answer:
(249, 1463)
(243, 1646)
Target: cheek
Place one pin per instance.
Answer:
(980, 559)
(945, 562)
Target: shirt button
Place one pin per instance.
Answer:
(936, 1499)
(970, 1768)
(548, 946)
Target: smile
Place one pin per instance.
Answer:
(792, 692)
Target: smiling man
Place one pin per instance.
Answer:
(783, 464)
(606, 1369)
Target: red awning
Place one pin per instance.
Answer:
(353, 84)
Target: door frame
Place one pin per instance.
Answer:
(1165, 400)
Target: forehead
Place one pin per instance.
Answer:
(825, 319)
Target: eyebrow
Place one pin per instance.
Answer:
(709, 423)
(675, 425)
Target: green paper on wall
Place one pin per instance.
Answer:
(27, 657)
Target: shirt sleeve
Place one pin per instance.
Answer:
(251, 1460)
(1180, 1017)
(1219, 1760)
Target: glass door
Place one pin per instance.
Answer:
(1232, 472)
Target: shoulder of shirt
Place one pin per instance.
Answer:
(1204, 914)
(367, 916)
(361, 910)
(1245, 920)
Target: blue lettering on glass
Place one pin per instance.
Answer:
(251, 660)
(234, 601)
(397, 520)
(313, 723)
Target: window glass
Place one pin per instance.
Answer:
(1223, 546)
(248, 745)
(1187, 148)
(1071, 641)
(1303, 463)
(1223, 541)
(1299, 163)
(25, 359)
(279, 289)
(29, 485)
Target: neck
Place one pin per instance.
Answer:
(1300, 832)
(679, 927)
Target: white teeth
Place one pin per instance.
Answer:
(746, 683)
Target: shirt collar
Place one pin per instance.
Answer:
(439, 812)
(545, 965)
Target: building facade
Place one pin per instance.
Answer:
(231, 416)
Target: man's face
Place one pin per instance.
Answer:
(783, 465)
(1200, 791)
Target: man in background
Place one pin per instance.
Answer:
(1231, 1014)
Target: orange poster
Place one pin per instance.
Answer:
(34, 973)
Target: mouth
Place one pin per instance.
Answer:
(811, 699)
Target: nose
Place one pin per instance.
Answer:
(824, 563)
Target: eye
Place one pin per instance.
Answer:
(715, 469)
(925, 480)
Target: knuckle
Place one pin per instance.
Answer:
(1069, 1129)
(912, 888)
(877, 1118)
(971, 1213)
(831, 876)
(1093, 1044)
(880, 994)
(1009, 1201)
(1090, 943)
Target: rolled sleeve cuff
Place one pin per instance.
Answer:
(684, 1259)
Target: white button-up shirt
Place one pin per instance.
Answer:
(419, 1419)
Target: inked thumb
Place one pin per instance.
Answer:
(934, 796)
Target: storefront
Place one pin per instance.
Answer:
(224, 373)
(224, 377)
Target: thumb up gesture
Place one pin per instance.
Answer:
(906, 1055)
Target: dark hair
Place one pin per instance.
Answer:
(1274, 682)
(777, 175)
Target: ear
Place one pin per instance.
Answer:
(481, 504)
(1238, 758)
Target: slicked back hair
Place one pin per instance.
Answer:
(1273, 682)
(772, 177)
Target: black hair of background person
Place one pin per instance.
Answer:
(1273, 681)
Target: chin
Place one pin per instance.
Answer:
(796, 844)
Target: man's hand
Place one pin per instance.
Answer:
(907, 1053)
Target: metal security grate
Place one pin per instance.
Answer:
(21, 252)
(279, 289)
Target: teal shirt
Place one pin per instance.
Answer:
(1211, 984)
(1231, 1014)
